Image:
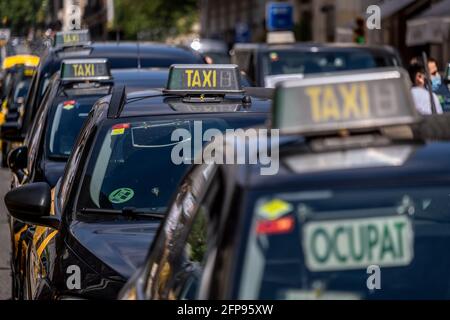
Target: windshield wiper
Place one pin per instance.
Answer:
(136, 99)
(128, 212)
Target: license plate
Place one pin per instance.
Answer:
(358, 243)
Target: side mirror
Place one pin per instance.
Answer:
(10, 131)
(18, 158)
(31, 204)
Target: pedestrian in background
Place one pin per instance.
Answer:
(439, 87)
(419, 92)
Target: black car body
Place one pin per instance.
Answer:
(43, 156)
(13, 103)
(344, 205)
(106, 208)
(267, 64)
(121, 55)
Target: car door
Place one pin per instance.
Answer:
(176, 260)
(43, 275)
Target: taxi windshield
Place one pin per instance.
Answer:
(279, 62)
(297, 238)
(132, 165)
(65, 121)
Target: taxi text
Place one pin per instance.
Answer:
(84, 70)
(325, 106)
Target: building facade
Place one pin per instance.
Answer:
(316, 20)
(97, 15)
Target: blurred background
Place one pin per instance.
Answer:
(411, 26)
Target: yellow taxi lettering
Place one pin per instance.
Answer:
(349, 97)
(314, 97)
(341, 103)
(89, 70)
(364, 100)
(196, 82)
(201, 78)
(83, 70)
(71, 38)
(207, 78)
(78, 70)
(330, 107)
(189, 77)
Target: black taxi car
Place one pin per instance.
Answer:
(70, 96)
(13, 103)
(95, 227)
(357, 210)
(77, 45)
(265, 64)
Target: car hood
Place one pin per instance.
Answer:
(113, 248)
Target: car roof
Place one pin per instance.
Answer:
(428, 161)
(152, 102)
(144, 73)
(140, 79)
(143, 47)
(125, 50)
(312, 46)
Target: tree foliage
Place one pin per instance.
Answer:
(20, 15)
(154, 19)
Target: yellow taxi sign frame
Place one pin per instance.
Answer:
(72, 38)
(85, 69)
(326, 103)
(203, 79)
(23, 59)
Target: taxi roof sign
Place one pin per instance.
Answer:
(203, 79)
(85, 69)
(72, 38)
(344, 101)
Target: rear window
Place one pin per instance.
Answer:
(65, 121)
(278, 62)
(303, 241)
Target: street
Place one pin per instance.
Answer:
(5, 277)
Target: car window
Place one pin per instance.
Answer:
(136, 163)
(177, 256)
(86, 133)
(66, 118)
(278, 62)
(21, 89)
(296, 235)
(34, 138)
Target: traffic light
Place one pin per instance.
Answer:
(359, 32)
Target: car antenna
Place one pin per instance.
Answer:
(428, 82)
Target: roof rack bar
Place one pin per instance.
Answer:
(118, 99)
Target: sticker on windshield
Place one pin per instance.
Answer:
(119, 129)
(274, 209)
(69, 105)
(121, 195)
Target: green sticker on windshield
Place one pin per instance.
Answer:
(121, 195)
